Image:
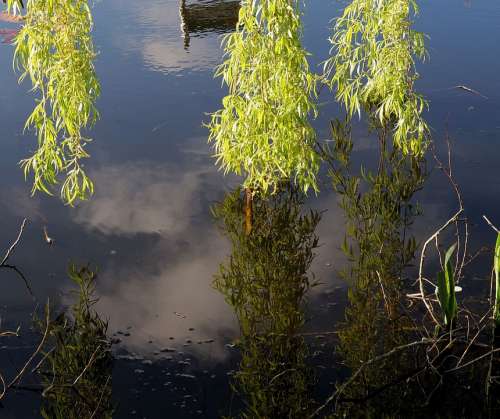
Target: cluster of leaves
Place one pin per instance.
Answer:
(77, 373)
(54, 49)
(263, 131)
(265, 281)
(372, 66)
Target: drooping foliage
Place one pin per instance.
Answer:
(263, 130)
(54, 49)
(372, 67)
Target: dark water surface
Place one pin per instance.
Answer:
(149, 228)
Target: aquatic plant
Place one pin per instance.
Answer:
(445, 291)
(372, 67)
(263, 130)
(54, 50)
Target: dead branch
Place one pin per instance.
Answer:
(16, 379)
(8, 254)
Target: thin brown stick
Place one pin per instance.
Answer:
(100, 398)
(337, 393)
(34, 354)
(491, 224)
(13, 245)
(87, 366)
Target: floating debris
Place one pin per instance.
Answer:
(147, 362)
(167, 350)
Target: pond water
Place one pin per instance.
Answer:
(149, 230)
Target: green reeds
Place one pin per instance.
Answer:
(445, 291)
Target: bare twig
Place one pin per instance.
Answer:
(13, 245)
(34, 354)
(7, 255)
(88, 365)
(371, 361)
(491, 224)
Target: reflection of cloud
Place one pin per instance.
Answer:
(149, 303)
(142, 198)
(18, 201)
(163, 55)
(175, 274)
(159, 38)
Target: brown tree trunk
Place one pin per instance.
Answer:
(248, 210)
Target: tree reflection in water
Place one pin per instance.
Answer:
(76, 374)
(265, 281)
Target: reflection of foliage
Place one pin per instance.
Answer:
(54, 49)
(372, 66)
(77, 372)
(263, 130)
(265, 281)
(378, 209)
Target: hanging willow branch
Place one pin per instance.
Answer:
(263, 131)
(372, 66)
(54, 49)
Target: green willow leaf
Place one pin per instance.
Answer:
(263, 130)
(372, 66)
(54, 49)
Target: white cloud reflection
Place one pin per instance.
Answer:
(167, 204)
(159, 39)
